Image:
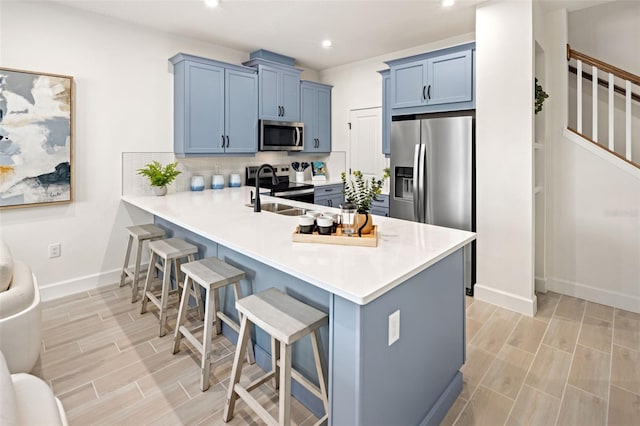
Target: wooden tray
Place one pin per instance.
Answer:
(367, 240)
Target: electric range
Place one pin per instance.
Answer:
(285, 188)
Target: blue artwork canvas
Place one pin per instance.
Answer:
(36, 138)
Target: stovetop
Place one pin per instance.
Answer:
(282, 172)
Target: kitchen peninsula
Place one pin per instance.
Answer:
(377, 376)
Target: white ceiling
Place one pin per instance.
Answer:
(359, 29)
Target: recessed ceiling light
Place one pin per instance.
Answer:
(326, 44)
(212, 3)
(447, 3)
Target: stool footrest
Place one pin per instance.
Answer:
(192, 339)
(255, 405)
(259, 381)
(304, 382)
(231, 323)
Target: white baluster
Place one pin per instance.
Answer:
(628, 119)
(579, 95)
(594, 108)
(611, 109)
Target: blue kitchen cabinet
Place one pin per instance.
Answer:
(328, 195)
(386, 111)
(315, 113)
(214, 107)
(440, 81)
(278, 91)
(380, 206)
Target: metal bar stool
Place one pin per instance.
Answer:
(139, 233)
(171, 250)
(211, 274)
(286, 320)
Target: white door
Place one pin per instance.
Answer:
(365, 142)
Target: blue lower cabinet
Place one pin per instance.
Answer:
(380, 206)
(328, 195)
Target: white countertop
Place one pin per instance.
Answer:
(358, 274)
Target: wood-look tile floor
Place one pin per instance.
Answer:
(575, 363)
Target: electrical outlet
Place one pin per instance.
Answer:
(54, 250)
(394, 327)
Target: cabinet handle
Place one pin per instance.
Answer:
(317, 143)
(227, 141)
(222, 146)
(279, 111)
(283, 111)
(429, 92)
(330, 203)
(424, 96)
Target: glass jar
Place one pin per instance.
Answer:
(349, 218)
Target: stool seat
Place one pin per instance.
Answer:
(211, 274)
(280, 315)
(286, 320)
(139, 233)
(171, 250)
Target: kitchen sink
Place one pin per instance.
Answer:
(280, 208)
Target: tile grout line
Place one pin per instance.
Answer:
(532, 362)
(566, 383)
(613, 332)
(485, 373)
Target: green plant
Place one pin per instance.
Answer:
(541, 95)
(362, 192)
(158, 175)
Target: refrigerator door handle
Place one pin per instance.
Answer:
(424, 196)
(416, 178)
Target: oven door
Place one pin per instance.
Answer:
(281, 136)
(304, 195)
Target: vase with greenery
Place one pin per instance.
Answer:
(541, 95)
(160, 176)
(362, 192)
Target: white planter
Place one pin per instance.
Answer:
(159, 190)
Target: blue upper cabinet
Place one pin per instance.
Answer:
(315, 113)
(215, 107)
(432, 82)
(386, 111)
(278, 91)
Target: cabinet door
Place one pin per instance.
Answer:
(386, 115)
(204, 112)
(290, 95)
(450, 78)
(409, 84)
(241, 112)
(323, 129)
(309, 116)
(269, 99)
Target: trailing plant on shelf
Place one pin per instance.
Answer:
(362, 192)
(541, 95)
(160, 176)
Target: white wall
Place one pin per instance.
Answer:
(611, 33)
(504, 130)
(123, 102)
(593, 230)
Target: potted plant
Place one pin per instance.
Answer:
(362, 192)
(541, 95)
(159, 176)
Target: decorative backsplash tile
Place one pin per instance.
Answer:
(134, 184)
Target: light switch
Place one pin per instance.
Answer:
(394, 327)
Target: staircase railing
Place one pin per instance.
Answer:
(612, 73)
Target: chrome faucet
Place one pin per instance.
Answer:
(274, 180)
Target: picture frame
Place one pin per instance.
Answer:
(36, 138)
(318, 171)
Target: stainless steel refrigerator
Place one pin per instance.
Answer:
(432, 175)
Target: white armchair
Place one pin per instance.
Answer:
(20, 313)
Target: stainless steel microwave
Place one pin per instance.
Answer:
(281, 136)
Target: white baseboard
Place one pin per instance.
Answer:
(541, 284)
(506, 300)
(77, 285)
(593, 294)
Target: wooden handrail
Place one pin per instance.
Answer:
(618, 72)
(604, 83)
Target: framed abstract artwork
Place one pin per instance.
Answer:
(36, 138)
